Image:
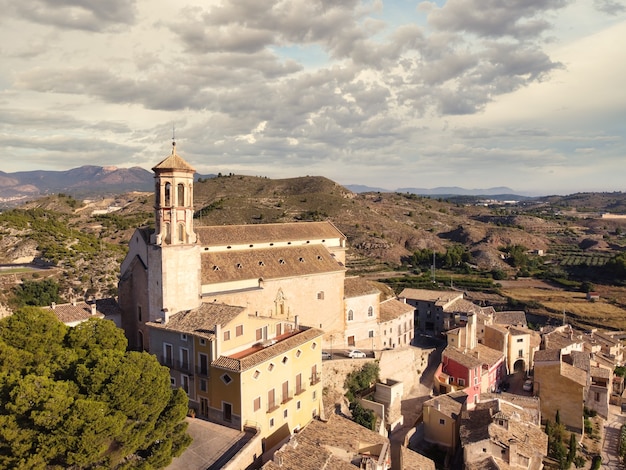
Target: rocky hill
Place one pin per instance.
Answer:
(85, 181)
(85, 240)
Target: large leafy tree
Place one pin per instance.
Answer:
(75, 398)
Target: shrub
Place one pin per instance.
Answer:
(596, 463)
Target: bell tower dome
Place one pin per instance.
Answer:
(173, 201)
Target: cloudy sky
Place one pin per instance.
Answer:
(528, 94)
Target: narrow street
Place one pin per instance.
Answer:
(610, 440)
(412, 405)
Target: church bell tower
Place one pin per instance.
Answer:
(174, 251)
(173, 201)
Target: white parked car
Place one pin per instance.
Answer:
(356, 354)
(528, 386)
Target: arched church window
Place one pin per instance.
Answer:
(167, 233)
(168, 195)
(181, 194)
(350, 315)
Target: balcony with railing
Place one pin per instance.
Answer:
(300, 390)
(272, 406)
(202, 371)
(182, 366)
(316, 378)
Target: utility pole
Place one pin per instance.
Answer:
(433, 268)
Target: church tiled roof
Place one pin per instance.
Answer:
(221, 235)
(173, 162)
(267, 263)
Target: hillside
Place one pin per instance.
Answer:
(383, 229)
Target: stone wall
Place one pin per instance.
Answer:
(402, 365)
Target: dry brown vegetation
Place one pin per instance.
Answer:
(383, 229)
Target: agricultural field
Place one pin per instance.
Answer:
(608, 312)
(588, 259)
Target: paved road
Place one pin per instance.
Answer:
(610, 441)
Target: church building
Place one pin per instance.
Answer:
(240, 313)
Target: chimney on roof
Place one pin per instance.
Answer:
(437, 405)
(93, 308)
(218, 341)
(296, 322)
(54, 305)
(74, 302)
(166, 315)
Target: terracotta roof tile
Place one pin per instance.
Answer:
(267, 263)
(573, 373)
(259, 356)
(441, 296)
(200, 321)
(81, 311)
(479, 425)
(460, 357)
(450, 405)
(357, 287)
(547, 355)
(173, 162)
(462, 306)
(328, 445)
(512, 317)
(411, 460)
(223, 235)
(391, 309)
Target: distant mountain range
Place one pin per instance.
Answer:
(499, 192)
(85, 181)
(90, 181)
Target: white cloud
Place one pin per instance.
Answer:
(393, 94)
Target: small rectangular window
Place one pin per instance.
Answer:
(226, 335)
(320, 295)
(442, 421)
(370, 334)
(257, 403)
(183, 337)
(239, 330)
(259, 334)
